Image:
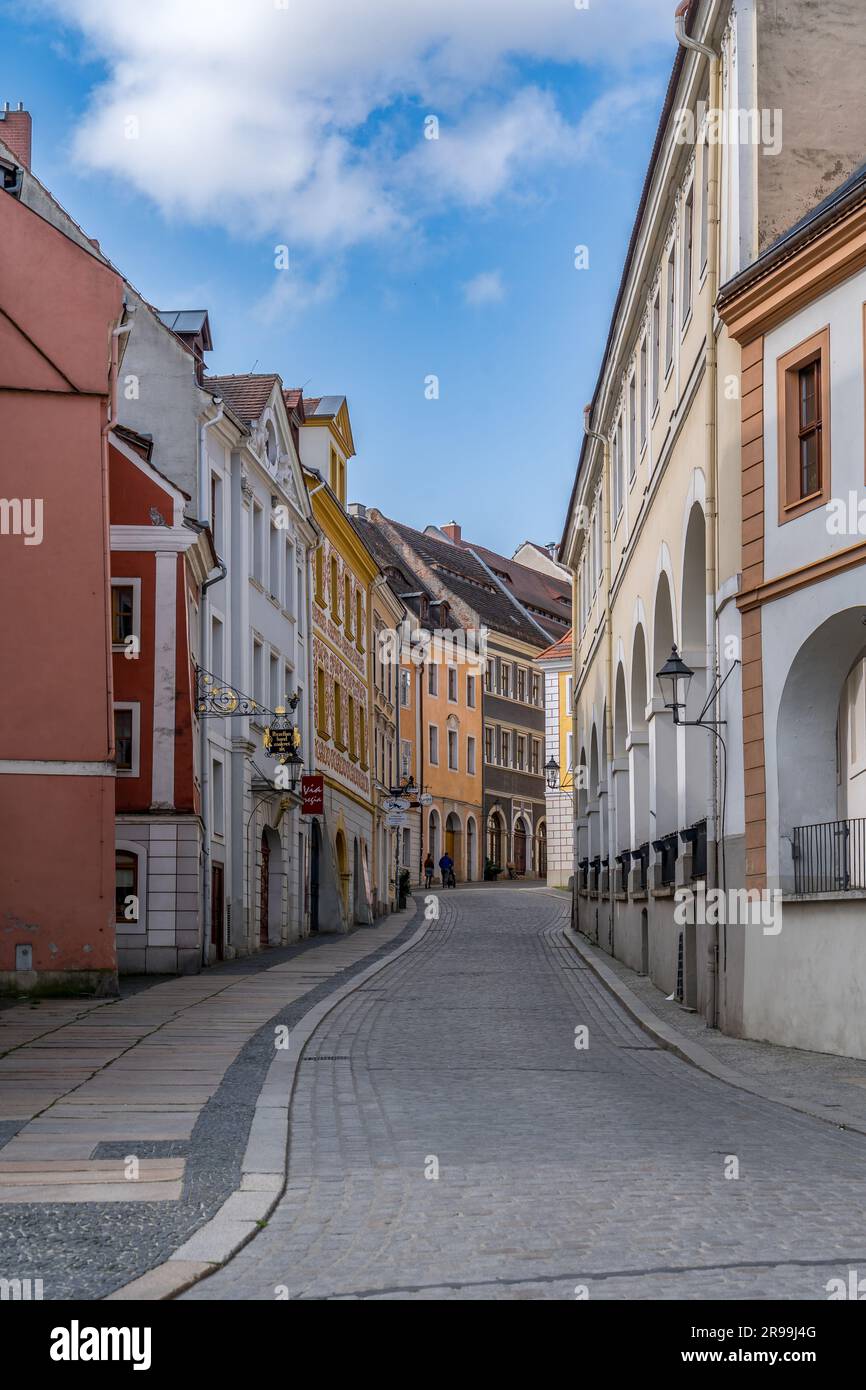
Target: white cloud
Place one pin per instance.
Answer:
(307, 121)
(484, 288)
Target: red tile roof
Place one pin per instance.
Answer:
(247, 394)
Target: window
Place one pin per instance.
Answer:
(616, 472)
(338, 716)
(536, 689)
(520, 752)
(321, 703)
(352, 753)
(405, 760)
(656, 353)
(363, 739)
(216, 511)
(452, 750)
(804, 427)
(688, 231)
(470, 756)
(258, 556)
(124, 610)
(569, 752)
(359, 621)
(705, 203)
(505, 679)
(488, 745)
(670, 325)
(432, 680)
(218, 797)
(276, 695)
(320, 576)
(505, 749)
(347, 604)
(288, 577)
(490, 675)
(470, 692)
(258, 671)
(632, 425)
(452, 685)
(126, 738)
(535, 756)
(335, 590)
(521, 684)
(275, 549)
(642, 395)
(125, 885)
(434, 745)
(405, 688)
(569, 695)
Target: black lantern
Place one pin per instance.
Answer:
(551, 772)
(669, 677)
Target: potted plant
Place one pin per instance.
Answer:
(491, 870)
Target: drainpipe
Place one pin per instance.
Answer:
(711, 461)
(608, 723)
(204, 513)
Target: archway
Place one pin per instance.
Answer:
(542, 849)
(453, 837)
(696, 744)
(270, 887)
(495, 839)
(342, 855)
(621, 775)
(821, 839)
(433, 836)
(470, 849)
(520, 833)
(315, 861)
(639, 742)
(663, 743)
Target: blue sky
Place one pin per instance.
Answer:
(407, 257)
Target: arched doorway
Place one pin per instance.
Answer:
(542, 849)
(264, 889)
(520, 845)
(315, 855)
(343, 871)
(453, 835)
(470, 849)
(433, 836)
(495, 839)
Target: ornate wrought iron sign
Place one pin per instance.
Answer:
(214, 696)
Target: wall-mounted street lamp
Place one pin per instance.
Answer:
(282, 740)
(551, 773)
(675, 674)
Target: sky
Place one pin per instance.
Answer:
(375, 198)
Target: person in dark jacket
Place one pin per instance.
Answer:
(446, 865)
(429, 867)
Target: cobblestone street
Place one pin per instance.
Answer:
(562, 1171)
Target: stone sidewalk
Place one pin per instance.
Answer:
(816, 1083)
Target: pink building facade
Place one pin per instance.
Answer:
(59, 309)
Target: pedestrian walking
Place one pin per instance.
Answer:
(429, 867)
(446, 866)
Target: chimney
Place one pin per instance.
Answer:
(452, 531)
(16, 129)
(357, 509)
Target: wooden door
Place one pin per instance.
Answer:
(217, 910)
(264, 891)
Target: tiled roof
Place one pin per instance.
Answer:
(247, 395)
(387, 557)
(294, 400)
(560, 651)
(467, 578)
(532, 587)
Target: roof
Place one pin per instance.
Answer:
(294, 399)
(560, 651)
(323, 407)
(466, 577)
(388, 557)
(532, 587)
(247, 394)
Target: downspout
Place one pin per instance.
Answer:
(608, 658)
(711, 460)
(204, 510)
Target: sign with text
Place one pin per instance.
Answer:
(313, 795)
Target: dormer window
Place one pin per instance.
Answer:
(271, 444)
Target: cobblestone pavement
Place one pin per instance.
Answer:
(559, 1168)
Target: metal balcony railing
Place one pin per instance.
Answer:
(696, 836)
(830, 856)
(641, 858)
(666, 849)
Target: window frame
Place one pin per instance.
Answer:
(134, 706)
(134, 584)
(815, 348)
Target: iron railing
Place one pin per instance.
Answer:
(830, 856)
(696, 836)
(641, 858)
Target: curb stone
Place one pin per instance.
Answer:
(692, 1052)
(264, 1169)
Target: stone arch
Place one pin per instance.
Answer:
(664, 778)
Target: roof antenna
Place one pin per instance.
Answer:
(253, 367)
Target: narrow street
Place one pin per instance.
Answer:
(563, 1172)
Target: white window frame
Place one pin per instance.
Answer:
(433, 742)
(133, 583)
(135, 706)
(470, 756)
